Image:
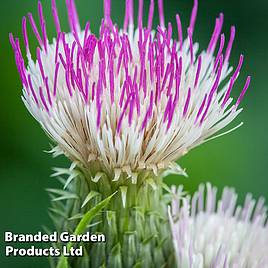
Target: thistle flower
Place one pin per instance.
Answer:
(211, 233)
(126, 103)
(127, 100)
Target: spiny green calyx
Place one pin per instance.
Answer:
(134, 222)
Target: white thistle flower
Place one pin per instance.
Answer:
(127, 100)
(219, 234)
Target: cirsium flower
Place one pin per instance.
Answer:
(211, 233)
(127, 100)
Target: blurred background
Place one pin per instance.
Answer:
(239, 159)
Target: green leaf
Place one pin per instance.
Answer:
(166, 187)
(82, 225)
(58, 212)
(76, 217)
(57, 191)
(60, 171)
(98, 176)
(60, 179)
(72, 176)
(152, 183)
(64, 197)
(91, 195)
(62, 194)
(123, 190)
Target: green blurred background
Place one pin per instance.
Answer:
(239, 159)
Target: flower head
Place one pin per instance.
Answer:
(219, 234)
(126, 99)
